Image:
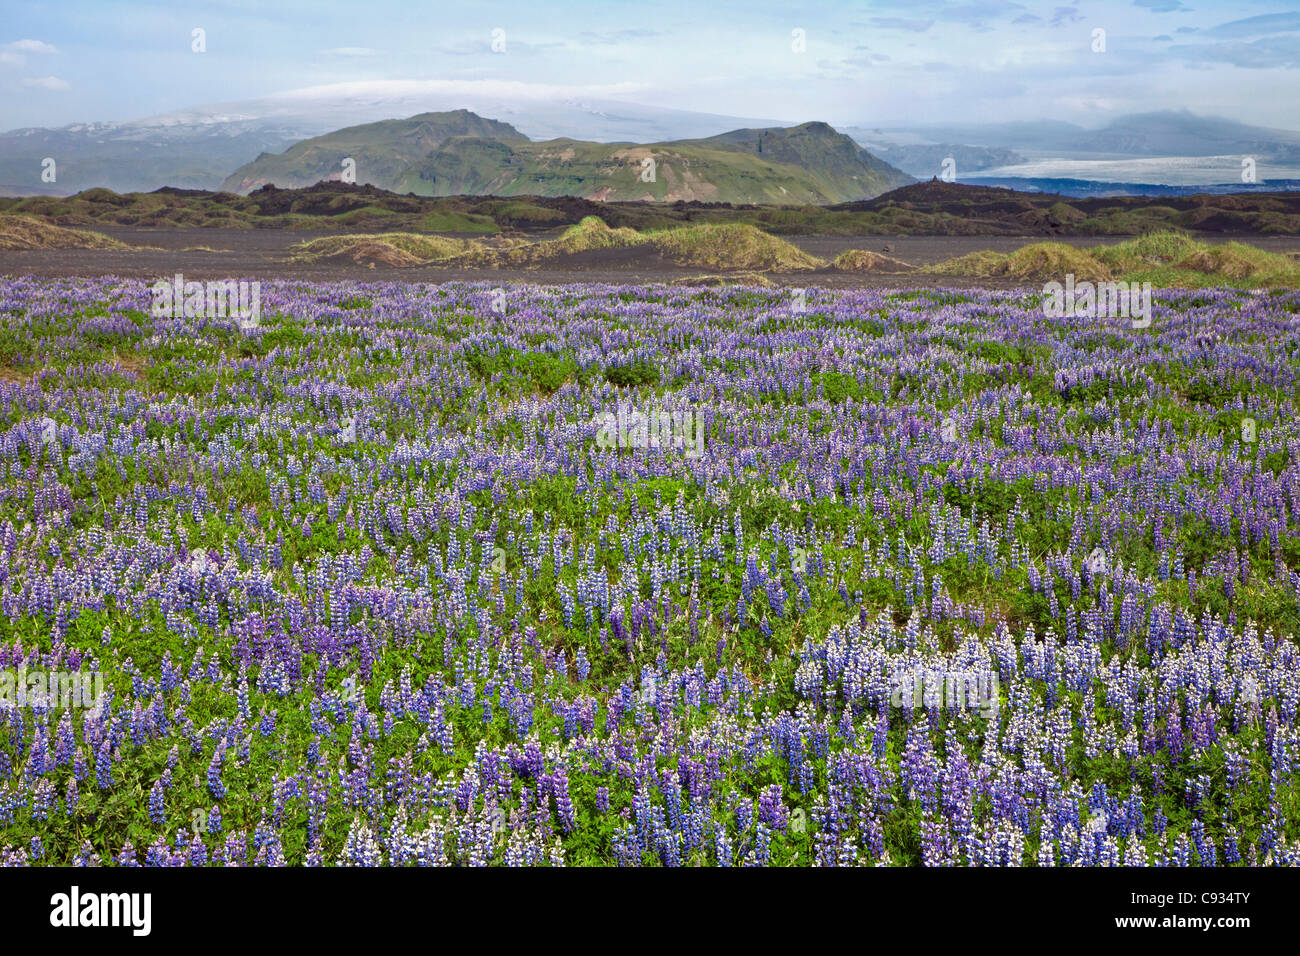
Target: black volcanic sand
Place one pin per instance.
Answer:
(264, 254)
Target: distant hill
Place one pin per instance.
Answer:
(133, 156)
(924, 160)
(450, 154)
(1180, 133)
(197, 147)
(382, 151)
(1169, 133)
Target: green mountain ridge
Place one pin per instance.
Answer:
(382, 150)
(452, 154)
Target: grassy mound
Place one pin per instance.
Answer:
(1043, 260)
(736, 246)
(1144, 252)
(730, 279)
(373, 253)
(592, 233)
(1173, 259)
(399, 246)
(1222, 260)
(587, 236)
(1039, 260)
(982, 263)
(24, 232)
(1165, 259)
(863, 260)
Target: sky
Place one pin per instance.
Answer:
(870, 63)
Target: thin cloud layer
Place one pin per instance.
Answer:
(903, 61)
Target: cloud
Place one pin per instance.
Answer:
(482, 46)
(1160, 6)
(1276, 52)
(902, 23)
(1064, 15)
(52, 83)
(350, 51)
(863, 60)
(1269, 23)
(456, 89)
(11, 59)
(30, 46)
(1269, 41)
(978, 14)
(617, 36)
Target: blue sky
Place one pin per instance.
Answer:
(896, 62)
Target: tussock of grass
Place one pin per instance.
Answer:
(588, 235)
(730, 279)
(737, 247)
(592, 233)
(1039, 260)
(1222, 260)
(981, 263)
(393, 245)
(863, 260)
(1155, 249)
(24, 232)
(733, 246)
(1046, 259)
(375, 253)
(1066, 213)
(1165, 259)
(1238, 261)
(1172, 259)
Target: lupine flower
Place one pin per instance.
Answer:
(727, 703)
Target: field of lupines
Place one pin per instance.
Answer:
(365, 586)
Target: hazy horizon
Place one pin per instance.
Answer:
(921, 62)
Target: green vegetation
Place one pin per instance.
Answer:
(417, 247)
(862, 260)
(939, 209)
(25, 232)
(735, 246)
(455, 154)
(1039, 260)
(1165, 259)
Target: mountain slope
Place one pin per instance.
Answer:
(196, 148)
(840, 163)
(1164, 133)
(382, 151)
(1181, 133)
(130, 156)
(811, 163)
(928, 160)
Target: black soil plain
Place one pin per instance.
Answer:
(899, 239)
